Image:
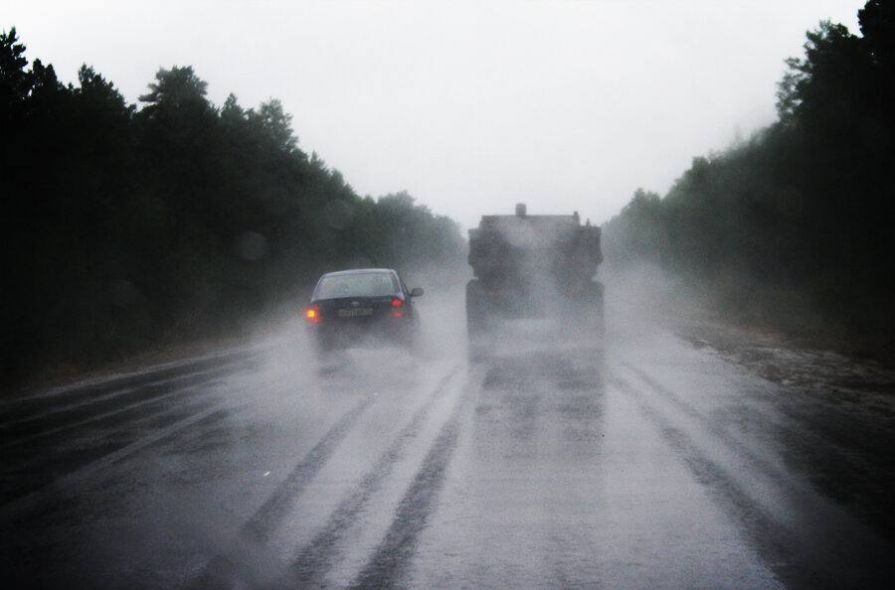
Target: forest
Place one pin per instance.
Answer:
(135, 227)
(793, 228)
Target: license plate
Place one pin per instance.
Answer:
(356, 313)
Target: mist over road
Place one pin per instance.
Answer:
(640, 461)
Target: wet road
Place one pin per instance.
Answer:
(638, 462)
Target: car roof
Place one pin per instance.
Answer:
(356, 271)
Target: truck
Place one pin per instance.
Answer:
(534, 266)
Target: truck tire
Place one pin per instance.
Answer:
(476, 309)
(477, 321)
(597, 307)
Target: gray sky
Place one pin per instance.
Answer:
(471, 107)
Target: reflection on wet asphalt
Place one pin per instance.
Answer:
(632, 461)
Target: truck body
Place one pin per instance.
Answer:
(533, 266)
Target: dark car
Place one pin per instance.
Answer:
(350, 305)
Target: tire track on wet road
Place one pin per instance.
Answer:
(850, 464)
(14, 509)
(266, 518)
(190, 389)
(805, 539)
(84, 392)
(806, 437)
(27, 426)
(389, 563)
(255, 532)
(29, 468)
(314, 561)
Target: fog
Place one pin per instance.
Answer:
(355, 398)
(378, 466)
(709, 406)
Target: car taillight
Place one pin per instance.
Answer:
(312, 314)
(397, 308)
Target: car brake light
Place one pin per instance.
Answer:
(397, 308)
(312, 314)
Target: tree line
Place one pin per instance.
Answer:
(129, 227)
(799, 216)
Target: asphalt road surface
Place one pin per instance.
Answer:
(637, 461)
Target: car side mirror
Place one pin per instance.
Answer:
(416, 292)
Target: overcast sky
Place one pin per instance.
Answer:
(471, 107)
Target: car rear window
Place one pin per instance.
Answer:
(370, 284)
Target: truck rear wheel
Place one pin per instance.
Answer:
(477, 320)
(597, 306)
(476, 309)
(586, 310)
